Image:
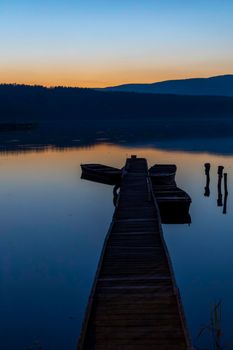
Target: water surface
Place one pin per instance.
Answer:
(53, 225)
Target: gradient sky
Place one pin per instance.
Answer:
(109, 42)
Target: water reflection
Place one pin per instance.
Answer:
(225, 203)
(53, 226)
(225, 194)
(150, 133)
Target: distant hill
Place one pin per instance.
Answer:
(218, 86)
(29, 104)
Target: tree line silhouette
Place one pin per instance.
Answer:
(37, 103)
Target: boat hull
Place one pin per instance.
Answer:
(173, 203)
(163, 174)
(101, 173)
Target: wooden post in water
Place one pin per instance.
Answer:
(207, 186)
(220, 171)
(220, 175)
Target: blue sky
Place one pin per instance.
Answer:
(97, 43)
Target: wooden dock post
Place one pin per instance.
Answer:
(220, 170)
(220, 175)
(207, 186)
(134, 303)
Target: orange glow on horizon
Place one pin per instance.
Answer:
(53, 76)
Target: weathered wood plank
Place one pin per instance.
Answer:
(134, 302)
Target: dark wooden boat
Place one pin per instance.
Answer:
(174, 204)
(163, 173)
(101, 173)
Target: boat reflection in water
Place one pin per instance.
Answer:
(173, 202)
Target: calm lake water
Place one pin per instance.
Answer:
(53, 225)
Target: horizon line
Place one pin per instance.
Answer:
(112, 86)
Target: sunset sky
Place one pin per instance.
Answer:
(110, 42)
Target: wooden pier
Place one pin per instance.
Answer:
(134, 303)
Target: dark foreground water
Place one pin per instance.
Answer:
(53, 225)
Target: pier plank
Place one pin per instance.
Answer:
(135, 303)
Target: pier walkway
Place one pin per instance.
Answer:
(134, 303)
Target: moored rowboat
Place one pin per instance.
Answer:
(163, 173)
(101, 173)
(173, 203)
